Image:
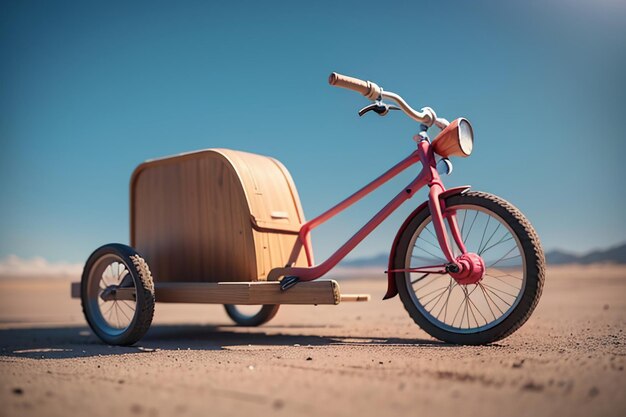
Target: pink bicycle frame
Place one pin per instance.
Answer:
(427, 176)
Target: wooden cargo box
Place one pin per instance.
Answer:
(215, 215)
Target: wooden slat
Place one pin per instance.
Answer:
(260, 292)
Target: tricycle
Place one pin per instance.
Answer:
(226, 227)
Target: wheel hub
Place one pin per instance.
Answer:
(469, 269)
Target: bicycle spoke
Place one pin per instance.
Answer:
(126, 302)
(457, 312)
(469, 307)
(498, 243)
(117, 316)
(462, 311)
(433, 234)
(504, 274)
(499, 290)
(420, 278)
(464, 304)
(480, 252)
(463, 225)
(464, 307)
(466, 314)
(433, 291)
(470, 228)
(423, 260)
(468, 300)
(123, 313)
(427, 284)
(109, 309)
(477, 309)
(436, 296)
(494, 293)
(445, 304)
(432, 254)
(487, 301)
(505, 259)
(431, 244)
(502, 281)
(480, 245)
(491, 299)
(446, 289)
(503, 256)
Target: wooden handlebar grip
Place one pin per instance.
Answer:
(350, 83)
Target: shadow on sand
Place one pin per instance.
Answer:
(76, 342)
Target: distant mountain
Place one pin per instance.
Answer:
(558, 257)
(615, 255)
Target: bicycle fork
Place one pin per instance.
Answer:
(467, 268)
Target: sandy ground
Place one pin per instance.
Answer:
(366, 359)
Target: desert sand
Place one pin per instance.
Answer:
(366, 359)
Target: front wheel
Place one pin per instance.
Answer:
(481, 312)
(250, 315)
(117, 294)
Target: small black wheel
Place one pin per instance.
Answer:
(117, 294)
(245, 315)
(479, 312)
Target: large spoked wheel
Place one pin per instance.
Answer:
(481, 312)
(117, 294)
(245, 315)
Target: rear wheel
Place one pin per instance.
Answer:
(251, 315)
(481, 312)
(113, 270)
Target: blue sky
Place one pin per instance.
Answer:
(89, 90)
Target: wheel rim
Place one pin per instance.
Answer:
(475, 307)
(112, 317)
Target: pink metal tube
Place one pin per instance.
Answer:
(450, 215)
(395, 170)
(436, 188)
(437, 219)
(309, 274)
(306, 228)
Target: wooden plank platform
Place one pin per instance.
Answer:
(258, 292)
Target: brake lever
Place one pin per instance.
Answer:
(374, 106)
(379, 108)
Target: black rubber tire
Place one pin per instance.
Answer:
(535, 270)
(265, 314)
(142, 279)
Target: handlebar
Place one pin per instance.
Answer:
(374, 92)
(367, 88)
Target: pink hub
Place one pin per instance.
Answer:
(471, 269)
